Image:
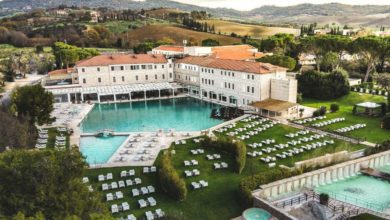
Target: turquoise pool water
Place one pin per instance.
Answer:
(99, 150)
(181, 114)
(363, 191)
(256, 214)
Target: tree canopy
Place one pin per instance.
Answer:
(46, 182)
(210, 42)
(279, 60)
(67, 55)
(383, 80)
(33, 102)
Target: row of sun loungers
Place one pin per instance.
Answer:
(145, 203)
(177, 142)
(102, 177)
(114, 196)
(121, 184)
(200, 184)
(308, 120)
(150, 215)
(351, 128)
(152, 169)
(194, 172)
(191, 163)
(120, 208)
(125, 173)
(213, 157)
(143, 190)
(296, 134)
(254, 153)
(197, 151)
(197, 140)
(221, 165)
(328, 122)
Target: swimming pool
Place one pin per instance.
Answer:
(98, 150)
(256, 214)
(181, 114)
(360, 190)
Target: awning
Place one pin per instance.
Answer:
(274, 105)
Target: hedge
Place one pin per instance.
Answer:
(224, 144)
(170, 181)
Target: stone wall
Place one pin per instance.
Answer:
(322, 176)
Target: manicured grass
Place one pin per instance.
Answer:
(372, 133)
(52, 137)
(219, 200)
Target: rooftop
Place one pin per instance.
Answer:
(170, 48)
(117, 59)
(234, 65)
(60, 71)
(273, 105)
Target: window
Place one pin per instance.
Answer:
(123, 78)
(150, 67)
(155, 76)
(213, 82)
(225, 84)
(136, 78)
(163, 76)
(98, 69)
(82, 70)
(253, 77)
(113, 79)
(162, 66)
(122, 68)
(248, 89)
(232, 74)
(112, 68)
(170, 75)
(253, 89)
(233, 86)
(99, 80)
(155, 66)
(170, 65)
(84, 81)
(143, 67)
(202, 81)
(146, 77)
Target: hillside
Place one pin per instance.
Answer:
(178, 34)
(366, 15)
(255, 31)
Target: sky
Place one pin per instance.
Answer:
(250, 4)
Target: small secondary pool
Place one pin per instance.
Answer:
(360, 190)
(256, 214)
(98, 150)
(181, 114)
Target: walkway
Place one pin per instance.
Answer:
(375, 173)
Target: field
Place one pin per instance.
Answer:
(178, 34)
(118, 27)
(219, 200)
(372, 133)
(255, 31)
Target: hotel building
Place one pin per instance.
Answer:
(127, 77)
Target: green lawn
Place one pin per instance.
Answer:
(53, 132)
(372, 133)
(118, 27)
(219, 200)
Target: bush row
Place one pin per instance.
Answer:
(224, 144)
(170, 180)
(385, 146)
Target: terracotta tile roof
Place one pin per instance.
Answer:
(60, 71)
(236, 52)
(170, 48)
(234, 65)
(116, 59)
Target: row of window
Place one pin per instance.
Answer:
(205, 70)
(229, 85)
(131, 67)
(136, 78)
(250, 89)
(250, 77)
(227, 73)
(207, 81)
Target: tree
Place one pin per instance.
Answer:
(46, 182)
(7, 68)
(170, 180)
(33, 102)
(334, 107)
(369, 49)
(66, 55)
(210, 42)
(383, 80)
(279, 60)
(330, 61)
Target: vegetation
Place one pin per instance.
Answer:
(46, 183)
(279, 60)
(383, 80)
(34, 103)
(67, 55)
(386, 121)
(170, 181)
(334, 107)
(323, 86)
(385, 146)
(210, 42)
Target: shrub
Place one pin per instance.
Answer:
(224, 144)
(170, 181)
(283, 61)
(386, 121)
(322, 110)
(316, 113)
(324, 86)
(324, 199)
(334, 107)
(385, 146)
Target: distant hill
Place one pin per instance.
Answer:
(367, 15)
